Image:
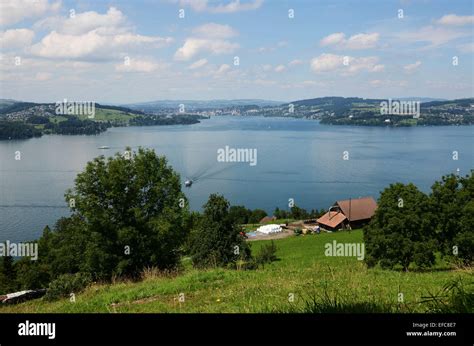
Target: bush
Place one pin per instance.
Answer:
(66, 284)
(216, 240)
(298, 231)
(465, 244)
(267, 254)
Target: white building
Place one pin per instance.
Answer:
(269, 229)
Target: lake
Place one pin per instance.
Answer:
(296, 159)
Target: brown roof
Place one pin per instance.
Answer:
(332, 219)
(358, 208)
(267, 219)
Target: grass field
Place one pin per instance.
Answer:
(101, 114)
(109, 115)
(57, 119)
(302, 272)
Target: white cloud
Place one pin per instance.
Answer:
(295, 62)
(335, 38)
(193, 46)
(434, 36)
(362, 41)
(280, 68)
(326, 62)
(229, 7)
(112, 22)
(377, 68)
(198, 64)
(455, 20)
(304, 84)
(15, 11)
(223, 69)
(43, 76)
(332, 62)
(16, 38)
(358, 41)
(467, 47)
(264, 82)
(412, 67)
(267, 67)
(273, 48)
(213, 30)
(139, 65)
(91, 45)
(92, 36)
(266, 49)
(377, 83)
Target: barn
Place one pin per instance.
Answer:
(349, 214)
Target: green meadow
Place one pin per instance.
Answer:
(301, 278)
(113, 115)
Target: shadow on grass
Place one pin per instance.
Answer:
(326, 303)
(455, 297)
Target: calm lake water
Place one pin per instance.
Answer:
(298, 159)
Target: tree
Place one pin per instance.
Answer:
(401, 230)
(280, 214)
(216, 241)
(239, 214)
(453, 200)
(128, 212)
(8, 275)
(298, 213)
(257, 215)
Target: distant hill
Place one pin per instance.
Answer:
(22, 120)
(201, 104)
(10, 106)
(338, 100)
(15, 106)
(5, 103)
(421, 99)
(334, 100)
(459, 102)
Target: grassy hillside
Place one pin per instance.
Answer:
(302, 270)
(103, 114)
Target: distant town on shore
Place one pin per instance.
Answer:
(22, 120)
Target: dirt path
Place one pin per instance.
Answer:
(287, 232)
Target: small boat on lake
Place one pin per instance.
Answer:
(104, 147)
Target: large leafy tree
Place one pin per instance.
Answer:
(453, 200)
(128, 212)
(216, 241)
(401, 231)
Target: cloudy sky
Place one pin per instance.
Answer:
(143, 50)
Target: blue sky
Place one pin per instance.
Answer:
(141, 50)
